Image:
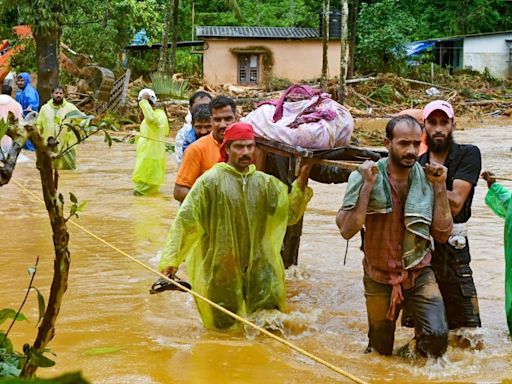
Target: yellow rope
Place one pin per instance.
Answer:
(215, 305)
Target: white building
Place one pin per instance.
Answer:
(477, 52)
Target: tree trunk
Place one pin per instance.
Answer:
(175, 26)
(342, 93)
(163, 62)
(325, 43)
(47, 48)
(353, 13)
(55, 206)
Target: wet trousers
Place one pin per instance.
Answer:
(423, 302)
(455, 279)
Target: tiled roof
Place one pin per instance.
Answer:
(258, 32)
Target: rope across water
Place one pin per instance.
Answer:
(200, 297)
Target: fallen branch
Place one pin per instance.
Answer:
(360, 80)
(426, 83)
(487, 102)
(369, 100)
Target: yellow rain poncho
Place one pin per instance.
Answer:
(49, 122)
(499, 200)
(230, 228)
(149, 172)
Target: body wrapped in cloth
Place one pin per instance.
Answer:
(230, 229)
(305, 117)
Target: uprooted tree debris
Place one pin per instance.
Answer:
(474, 96)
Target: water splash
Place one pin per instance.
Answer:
(296, 272)
(292, 325)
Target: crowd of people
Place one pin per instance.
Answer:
(412, 208)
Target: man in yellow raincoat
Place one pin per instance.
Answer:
(50, 123)
(499, 199)
(230, 229)
(149, 172)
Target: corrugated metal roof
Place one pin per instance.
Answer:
(461, 37)
(258, 32)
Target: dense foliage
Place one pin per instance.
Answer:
(103, 29)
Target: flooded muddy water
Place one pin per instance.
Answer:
(115, 332)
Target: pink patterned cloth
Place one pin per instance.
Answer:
(303, 116)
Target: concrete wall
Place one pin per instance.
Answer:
(489, 51)
(294, 60)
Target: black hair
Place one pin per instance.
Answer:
(221, 102)
(408, 119)
(6, 89)
(198, 95)
(200, 112)
(57, 87)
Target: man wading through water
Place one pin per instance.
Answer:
(401, 207)
(230, 228)
(450, 259)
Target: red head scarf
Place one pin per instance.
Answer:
(237, 131)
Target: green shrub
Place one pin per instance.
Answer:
(164, 85)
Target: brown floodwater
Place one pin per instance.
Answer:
(112, 330)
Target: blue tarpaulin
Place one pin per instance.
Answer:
(140, 38)
(418, 47)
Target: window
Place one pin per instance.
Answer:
(248, 69)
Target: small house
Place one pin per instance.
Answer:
(255, 55)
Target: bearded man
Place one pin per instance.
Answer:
(450, 260)
(50, 123)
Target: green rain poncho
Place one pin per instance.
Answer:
(149, 170)
(230, 228)
(500, 201)
(49, 121)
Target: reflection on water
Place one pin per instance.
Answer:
(159, 338)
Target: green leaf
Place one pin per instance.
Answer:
(31, 271)
(85, 122)
(75, 114)
(81, 206)
(61, 198)
(42, 306)
(37, 359)
(73, 198)
(101, 351)
(6, 346)
(8, 369)
(9, 313)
